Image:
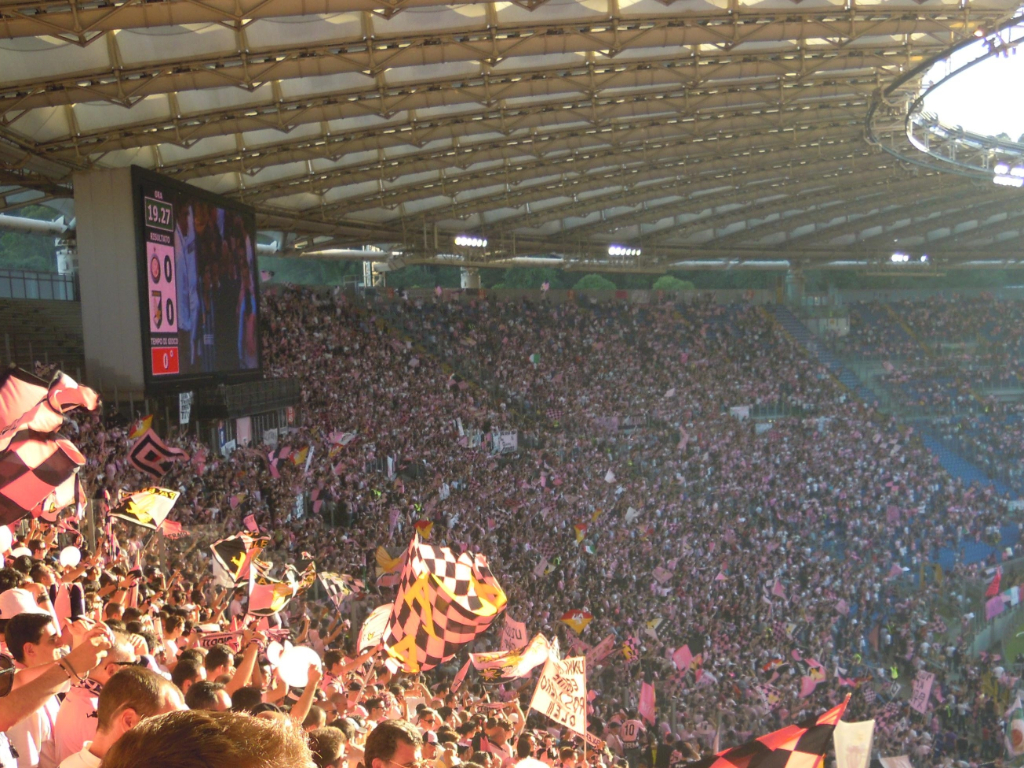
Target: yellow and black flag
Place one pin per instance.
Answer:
(443, 602)
(148, 507)
(236, 553)
(267, 595)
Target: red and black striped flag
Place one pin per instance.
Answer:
(153, 456)
(795, 746)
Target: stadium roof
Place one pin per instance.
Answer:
(694, 130)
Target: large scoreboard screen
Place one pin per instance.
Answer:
(199, 284)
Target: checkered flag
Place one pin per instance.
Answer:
(153, 456)
(547, 548)
(443, 602)
(339, 586)
(889, 711)
(795, 746)
(34, 469)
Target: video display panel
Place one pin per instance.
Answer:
(200, 300)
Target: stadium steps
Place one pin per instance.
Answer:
(42, 331)
(803, 336)
(959, 467)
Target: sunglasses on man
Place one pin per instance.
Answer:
(7, 671)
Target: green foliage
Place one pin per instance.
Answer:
(309, 271)
(594, 283)
(425, 277)
(498, 286)
(29, 251)
(670, 283)
(532, 278)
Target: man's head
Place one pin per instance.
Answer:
(208, 696)
(328, 747)
(186, 673)
(333, 661)
(315, 719)
(246, 699)
(498, 730)
(429, 720)
(121, 655)
(129, 696)
(220, 660)
(374, 709)
(392, 744)
(33, 639)
(213, 740)
(112, 612)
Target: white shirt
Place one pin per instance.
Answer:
(82, 759)
(32, 738)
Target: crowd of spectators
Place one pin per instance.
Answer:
(638, 491)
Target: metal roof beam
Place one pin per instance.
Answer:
(675, 163)
(513, 169)
(754, 175)
(572, 106)
(523, 139)
(249, 69)
(81, 22)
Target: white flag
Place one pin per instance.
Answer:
(562, 692)
(853, 743)
(902, 761)
(1015, 729)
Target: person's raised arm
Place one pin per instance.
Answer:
(301, 709)
(33, 694)
(241, 677)
(301, 638)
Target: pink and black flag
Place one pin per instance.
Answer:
(153, 456)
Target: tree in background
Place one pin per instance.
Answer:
(594, 283)
(29, 251)
(532, 278)
(670, 283)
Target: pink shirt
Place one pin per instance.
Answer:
(76, 722)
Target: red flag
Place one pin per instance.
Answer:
(993, 588)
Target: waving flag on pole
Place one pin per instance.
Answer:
(578, 619)
(512, 664)
(153, 456)
(373, 629)
(236, 553)
(339, 586)
(443, 602)
(147, 508)
(795, 746)
(268, 596)
(38, 469)
(31, 469)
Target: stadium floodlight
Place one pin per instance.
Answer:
(924, 258)
(899, 258)
(1002, 168)
(621, 250)
(1006, 180)
(468, 241)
